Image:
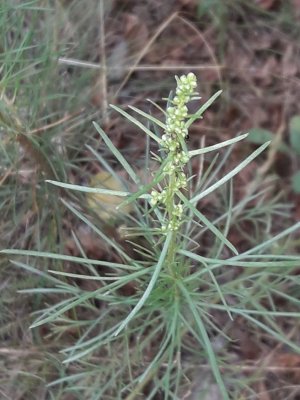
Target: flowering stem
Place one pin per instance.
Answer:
(173, 143)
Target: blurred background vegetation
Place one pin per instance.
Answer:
(62, 62)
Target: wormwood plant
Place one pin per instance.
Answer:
(154, 341)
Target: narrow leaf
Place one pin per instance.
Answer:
(117, 154)
(150, 286)
(217, 146)
(87, 189)
(136, 122)
(296, 182)
(209, 225)
(64, 257)
(203, 108)
(231, 174)
(205, 338)
(149, 117)
(294, 130)
(141, 194)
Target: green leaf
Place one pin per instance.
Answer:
(136, 122)
(294, 132)
(239, 261)
(217, 146)
(117, 154)
(273, 239)
(260, 135)
(296, 182)
(150, 286)
(149, 117)
(205, 339)
(206, 222)
(277, 335)
(65, 257)
(110, 241)
(142, 192)
(207, 6)
(87, 189)
(231, 174)
(204, 107)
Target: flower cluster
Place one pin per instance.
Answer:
(178, 112)
(158, 197)
(177, 157)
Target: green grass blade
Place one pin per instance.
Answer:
(36, 271)
(209, 225)
(280, 337)
(159, 176)
(117, 154)
(219, 290)
(231, 174)
(150, 286)
(206, 341)
(52, 313)
(158, 107)
(137, 123)
(71, 303)
(110, 242)
(63, 257)
(132, 276)
(149, 117)
(238, 261)
(87, 189)
(217, 146)
(203, 108)
(274, 239)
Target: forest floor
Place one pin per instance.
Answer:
(62, 63)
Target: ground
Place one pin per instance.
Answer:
(63, 63)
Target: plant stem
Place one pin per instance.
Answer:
(170, 259)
